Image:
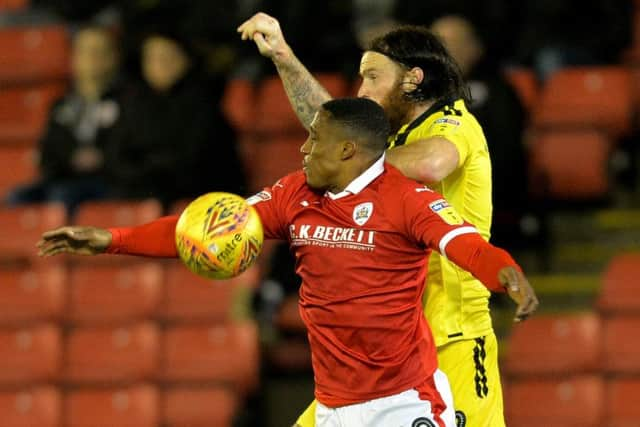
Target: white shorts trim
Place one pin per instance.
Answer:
(404, 409)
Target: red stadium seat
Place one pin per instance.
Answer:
(575, 402)
(571, 165)
(105, 355)
(37, 407)
(28, 295)
(111, 294)
(22, 227)
(621, 346)
(621, 285)
(525, 83)
(555, 345)
(24, 112)
(238, 104)
(118, 213)
(189, 297)
(274, 113)
(284, 157)
(621, 408)
(600, 97)
(199, 407)
(17, 166)
(34, 54)
(227, 354)
(30, 355)
(335, 83)
(137, 406)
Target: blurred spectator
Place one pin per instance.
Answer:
(493, 19)
(172, 141)
(559, 33)
(498, 109)
(71, 151)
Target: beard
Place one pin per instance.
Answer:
(397, 107)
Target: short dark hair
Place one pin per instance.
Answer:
(416, 46)
(361, 119)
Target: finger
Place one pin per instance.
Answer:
(260, 41)
(528, 306)
(62, 231)
(40, 243)
(522, 311)
(54, 248)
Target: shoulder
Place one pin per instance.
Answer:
(400, 188)
(455, 118)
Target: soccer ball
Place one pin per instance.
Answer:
(219, 235)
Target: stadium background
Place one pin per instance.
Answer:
(110, 341)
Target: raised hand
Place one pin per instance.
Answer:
(520, 291)
(76, 240)
(265, 31)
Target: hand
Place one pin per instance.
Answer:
(520, 291)
(74, 240)
(265, 31)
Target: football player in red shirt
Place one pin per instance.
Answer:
(359, 230)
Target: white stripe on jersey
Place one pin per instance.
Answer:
(453, 234)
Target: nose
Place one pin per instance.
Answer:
(304, 148)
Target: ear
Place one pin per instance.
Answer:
(349, 148)
(415, 76)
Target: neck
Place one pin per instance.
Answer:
(417, 110)
(351, 174)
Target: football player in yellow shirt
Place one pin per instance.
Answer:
(438, 142)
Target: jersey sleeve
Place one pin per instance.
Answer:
(272, 205)
(431, 220)
(436, 225)
(449, 128)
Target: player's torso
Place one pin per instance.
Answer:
(456, 304)
(361, 294)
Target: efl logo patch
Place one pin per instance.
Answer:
(447, 121)
(362, 213)
(446, 212)
(422, 422)
(262, 196)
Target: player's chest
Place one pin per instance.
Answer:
(325, 226)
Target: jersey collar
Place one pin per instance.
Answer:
(359, 184)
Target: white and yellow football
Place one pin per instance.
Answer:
(219, 235)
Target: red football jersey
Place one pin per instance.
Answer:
(361, 257)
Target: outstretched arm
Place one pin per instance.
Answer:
(155, 239)
(304, 91)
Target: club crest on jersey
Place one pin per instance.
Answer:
(446, 212)
(362, 213)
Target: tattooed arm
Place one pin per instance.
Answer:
(304, 91)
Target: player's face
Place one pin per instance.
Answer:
(382, 82)
(322, 153)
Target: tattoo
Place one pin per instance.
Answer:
(304, 91)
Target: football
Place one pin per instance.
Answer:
(219, 235)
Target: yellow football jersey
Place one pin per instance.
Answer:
(456, 303)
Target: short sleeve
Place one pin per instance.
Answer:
(272, 205)
(449, 128)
